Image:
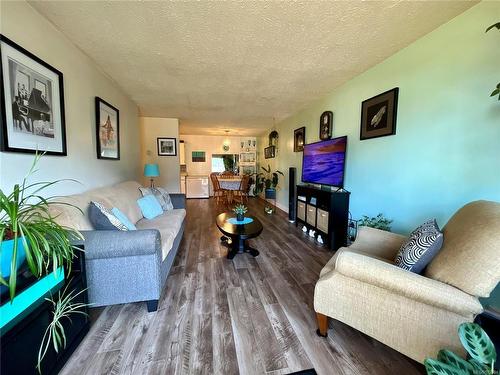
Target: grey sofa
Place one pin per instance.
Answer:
(126, 266)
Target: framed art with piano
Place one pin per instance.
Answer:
(32, 102)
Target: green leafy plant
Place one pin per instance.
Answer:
(26, 218)
(378, 222)
(480, 348)
(240, 209)
(267, 180)
(496, 91)
(62, 309)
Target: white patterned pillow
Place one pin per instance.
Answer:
(102, 218)
(420, 248)
(161, 195)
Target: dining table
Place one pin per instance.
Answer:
(229, 184)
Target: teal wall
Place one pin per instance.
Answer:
(446, 151)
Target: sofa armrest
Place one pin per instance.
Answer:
(178, 200)
(378, 242)
(405, 283)
(101, 244)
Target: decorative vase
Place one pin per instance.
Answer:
(7, 252)
(240, 217)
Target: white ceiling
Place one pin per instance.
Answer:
(239, 65)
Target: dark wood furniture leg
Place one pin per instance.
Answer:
(152, 305)
(322, 325)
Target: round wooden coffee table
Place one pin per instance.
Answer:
(236, 235)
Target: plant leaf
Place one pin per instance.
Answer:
(456, 361)
(479, 368)
(477, 343)
(435, 367)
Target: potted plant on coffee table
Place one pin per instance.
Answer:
(240, 210)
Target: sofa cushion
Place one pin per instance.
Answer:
(168, 224)
(470, 257)
(149, 206)
(123, 218)
(420, 248)
(102, 218)
(160, 194)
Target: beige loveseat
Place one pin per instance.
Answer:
(415, 314)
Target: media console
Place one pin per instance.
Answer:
(326, 212)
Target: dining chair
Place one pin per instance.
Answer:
(219, 193)
(241, 195)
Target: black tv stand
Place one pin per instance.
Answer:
(326, 212)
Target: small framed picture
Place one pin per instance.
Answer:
(378, 115)
(299, 138)
(107, 130)
(325, 125)
(198, 157)
(32, 102)
(270, 152)
(167, 146)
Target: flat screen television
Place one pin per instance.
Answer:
(324, 162)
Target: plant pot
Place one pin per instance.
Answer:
(7, 253)
(270, 193)
(240, 217)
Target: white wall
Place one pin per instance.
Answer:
(151, 129)
(83, 81)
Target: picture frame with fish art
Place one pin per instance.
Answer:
(107, 130)
(378, 115)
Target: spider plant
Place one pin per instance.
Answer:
(25, 218)
(63, 308)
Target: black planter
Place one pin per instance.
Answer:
(270, 193)
(240, 217)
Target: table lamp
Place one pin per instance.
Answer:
(151, 170)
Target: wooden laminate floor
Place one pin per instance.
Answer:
(248, 316)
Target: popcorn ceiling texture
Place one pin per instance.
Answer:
(239, 65)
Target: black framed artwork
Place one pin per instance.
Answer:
(378, 115)
(325, 125)
(166, 146)
(32, 102)
(270, 152)
(107, 130)
(299, 138)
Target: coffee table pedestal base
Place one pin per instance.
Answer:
(238, 247)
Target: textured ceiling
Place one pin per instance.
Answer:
(239, 65)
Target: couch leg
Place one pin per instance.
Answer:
(152, 305)
(322, 325)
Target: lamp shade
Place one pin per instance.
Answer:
(151, 170)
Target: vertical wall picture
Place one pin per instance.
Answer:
(299, 139)
(270, 152)
(167, 146)
(107, 130)
(198, 156)
(32, 102)
(325, 125)
(378, 115)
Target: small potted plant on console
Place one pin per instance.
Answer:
(240, 210)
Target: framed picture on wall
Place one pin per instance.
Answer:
(107, 130)
(299, 138)
(198, 157)
(325, 125)
(32, 102)
(270, 152)
(167, 146)
(378, 115)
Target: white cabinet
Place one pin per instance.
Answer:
(197, 187)
(182, 153)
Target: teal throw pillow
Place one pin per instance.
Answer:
(150, 206)
(123, 219)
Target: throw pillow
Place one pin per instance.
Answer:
(420, 248)
(102, 219)
(161, 195)
(150, 206)
(123, 218)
